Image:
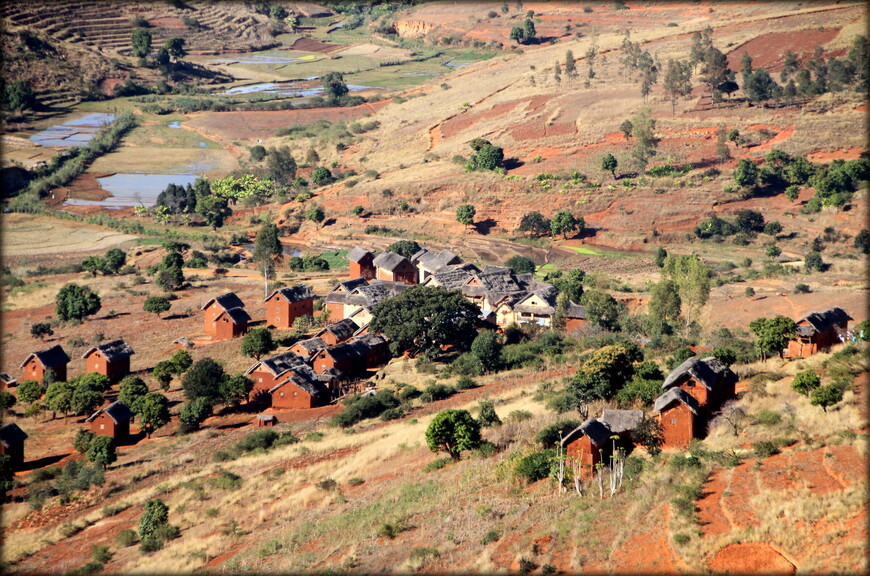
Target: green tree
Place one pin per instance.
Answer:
(156, 515)
(487, 348)
(30, 391)
(234, 389)
(520, 264)
(773, 334)
(41, 330)
(195, 412)
(518, 34)
(58, 397)
(141, 39)
(805, 382)
(181, 361)
(453, 431)
(529, 30)
(281, 166)
(564, 222)
(749, 221)
(257, 153)
(406, 248)
(692, 278)
(175, 48)
(423, 318)
(82, 440)
(606, 371)
(601, 308)
(813, 261)
(156, 304)
(18, 96)
(826, 396)
(74, 302)
(571, 284)
(570, 67)
(760, 87)
(268, 252)
(257, 342)
(315, 214)
(7, 401)
(333, 85)
(610, 164)
(321, 176)
(715, 72)
(535, 224)
(115, 259)
(213, 209)
(202, 380)
(163, 372)
(488, 157)
(643, 127)
(746, 174)
(102, 451)
(661, 254)
(87, 396)
(665, 303)
(131, 391)
(170, 275)
(772, 228)
(153, 412)
(773, 251)
(94, 265)
(465, 215)
(678, 81)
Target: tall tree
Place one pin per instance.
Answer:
(257, 342)
(715, 71)
(141, 42)
(465, 215)
(692, 278)
(74, 302)
(175, 48)
(535, 224)
(267, 252)
(564, 222)
(773, 334)
(203, 379)
(453, 431)
(665, 302)
(333, 85)
(678, 81)
(153, 412)
(643, 127)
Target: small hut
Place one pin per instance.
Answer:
(12, 443)
(111, 359)
(113, 420)
(38, 363)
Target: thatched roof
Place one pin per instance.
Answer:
(226, 301)
(237, 315)
(547, 296)
(117, 411)
(341, 330)
(435, 261)
(184, 341)
(371, 340)
(11, 435)
(695, 368)
(267, 417)
(375, 292)
(49, 358)
(112, 351)
(312, 345)
(575, 311)
(279, 364)
(357, 254)
(389, 261)
(816, 322)
(305, 378)
(347, 351)
(293, 294)
(676, 395)
(595, 430)
(621, 420)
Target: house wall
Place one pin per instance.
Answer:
(210, 315)
(362, 317)
(292, 397)
(329, 338)
(33, 370)
(588, 454)
(697, 391)
(263, 381)
(227, 329)
(323, 361)
(377, 355)
(803, 347)
(15, 453)
(115, 371)
(335, 311)
(363, 268)
(573, 324)
(281, 314)
(505, 316)
(404, 272)
(103, 425)
(678, 425)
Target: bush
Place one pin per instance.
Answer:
(436, 464)
(365, 407)
(126, 538)
(519, 416)
(550, 435)
(408, 393)
(467, 364)
(768, 418)
(261, 439)
(490, 537)
(355, 481)
(435, 392)
(487, 415)
(764, 449)
(226, 480)
(535, 466)
(465, 383)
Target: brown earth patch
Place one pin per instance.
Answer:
(645, 552)
(736, 503)
(845, 464)
(308, 44)
(755, 558)
(825, 156)
(768, 50)
(710, 515)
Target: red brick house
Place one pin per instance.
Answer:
(12, 443)
(622, 423)
(113, 420)
(335, 298)
(111, 359)
(819, 331)
(287, 304)
(429, 262)
(299, 390)
(269, 371)
(575, 317)
(361, 264)
(589, 443)
(393, 267)
(678, 416)
(231, 323)
(37, 363)
(7, 381)
(378, 349)
(706, 380)
(308, 348)
(216, 306)
(348, 358)
(338, 332)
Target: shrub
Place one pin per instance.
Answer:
(355, 481)
(436, 464)
(226, 480)
(487, 415)
(327, 484)
(490, 537)
(768, 418)
(764, 449)
(435, 392)
(681, 539)
(261, 439)
(535, 466)
(550, 435)
(465, 383)
(408, 393)
(126, 538)
(805, 382)
(519, 416)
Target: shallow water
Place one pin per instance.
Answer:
(73, 132)
(134, 189)
(290, 89)
(175, 124)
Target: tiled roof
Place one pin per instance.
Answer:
(357, 254)
(294, 293)
(237, 315)
(117, 411)
(597, 431)
(676, 395)
(821, 321)
(11, 435)
(621, 420)
(389, 261)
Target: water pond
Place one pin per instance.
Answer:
(290, 89)
(134, 189)
(72, 132)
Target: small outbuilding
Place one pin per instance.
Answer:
(300, 390)
(284, 306)
(7, 381)
(622, 423)
(678, 416)
(38, 363)
(819, 331)
(12, 443)
(111, 359)
(269, 371)
(338, 332)
(266, 420)
(218, 305)
(587, 444)
(361, 264)
(393, 267)
(232, 323)
(113, 420)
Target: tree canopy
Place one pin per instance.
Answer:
(534, 224)
(465, 214)
(406, 248)
(773, 334)
(453, 431)
(203, 379)
(257, 342)
(692, 278)
(423, 318)
(520, 264)
(74, 302)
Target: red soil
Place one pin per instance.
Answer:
(307, 44)
(837, 154)
(710, 514)
(645, 552)
(791, 470)
(845, 464)
(735, 503)
(755, 558)
(768, 51)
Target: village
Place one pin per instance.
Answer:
(343, 357)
